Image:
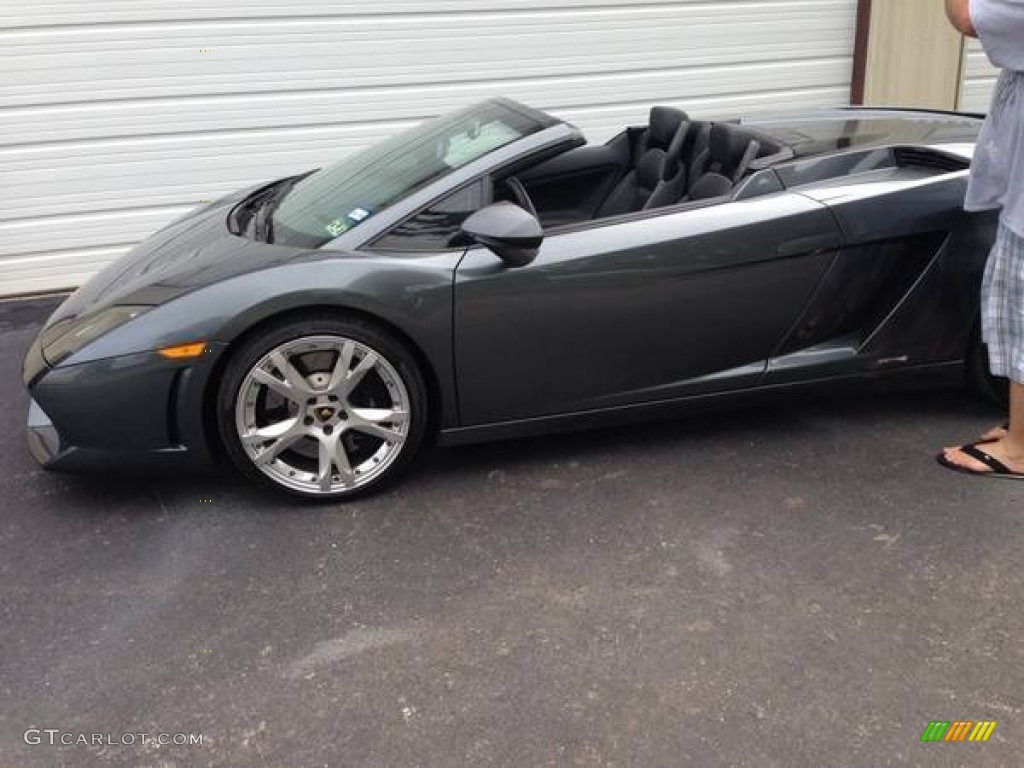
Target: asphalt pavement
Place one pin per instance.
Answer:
(792, 585)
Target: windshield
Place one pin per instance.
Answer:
(335, 199)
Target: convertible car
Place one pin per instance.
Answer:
(488, 274)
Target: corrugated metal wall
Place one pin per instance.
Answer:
(119, 115)
(979, 78)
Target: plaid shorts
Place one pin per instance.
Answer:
(1002, 305)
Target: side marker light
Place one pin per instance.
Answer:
(183, 351)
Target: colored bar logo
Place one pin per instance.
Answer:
(958, 730)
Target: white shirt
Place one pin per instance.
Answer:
(997, 171)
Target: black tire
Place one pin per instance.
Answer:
(298, 330)
(993, 388)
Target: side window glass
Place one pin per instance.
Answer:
(436, 226)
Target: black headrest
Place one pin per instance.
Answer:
(662, 126)
(710, 185)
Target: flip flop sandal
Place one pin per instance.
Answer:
(998, 469)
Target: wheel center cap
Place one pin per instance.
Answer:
(324, 413)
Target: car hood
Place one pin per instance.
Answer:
(188, 254)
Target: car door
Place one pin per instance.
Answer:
(636, 309)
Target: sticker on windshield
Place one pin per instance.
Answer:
(358, 214)
(336, 227)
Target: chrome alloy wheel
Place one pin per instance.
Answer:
(322, 414)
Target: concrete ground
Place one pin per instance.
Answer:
(790, 586)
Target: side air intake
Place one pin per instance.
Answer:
(915, 157)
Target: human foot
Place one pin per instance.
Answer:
(993, 459)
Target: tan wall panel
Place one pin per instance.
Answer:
(913, 57)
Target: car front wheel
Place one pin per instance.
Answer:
(323, 408)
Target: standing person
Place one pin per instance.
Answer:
(997, 181)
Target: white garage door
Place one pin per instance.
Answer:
(119, 115)
(979, 79)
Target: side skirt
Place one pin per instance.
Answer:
(933, 376)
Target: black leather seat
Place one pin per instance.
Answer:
(694, 150)
(635, 189)
(731, 150)
(662, 128)
(687, 154)
(708, 161)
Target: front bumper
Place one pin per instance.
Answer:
(43, 438)
(134, 411)
(51, 451)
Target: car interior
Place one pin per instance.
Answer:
(670, 161)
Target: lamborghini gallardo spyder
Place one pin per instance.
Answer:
(490, 274)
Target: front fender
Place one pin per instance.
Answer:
(413, 295)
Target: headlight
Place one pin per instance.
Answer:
(68, 336)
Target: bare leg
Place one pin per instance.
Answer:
(1010, 448)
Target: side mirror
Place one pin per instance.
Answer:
(512, 233)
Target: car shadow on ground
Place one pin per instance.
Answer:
(921, 422)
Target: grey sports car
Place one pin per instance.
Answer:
(488, 274)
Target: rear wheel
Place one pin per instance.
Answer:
(323, 408)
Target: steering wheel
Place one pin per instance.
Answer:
(519, 193)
